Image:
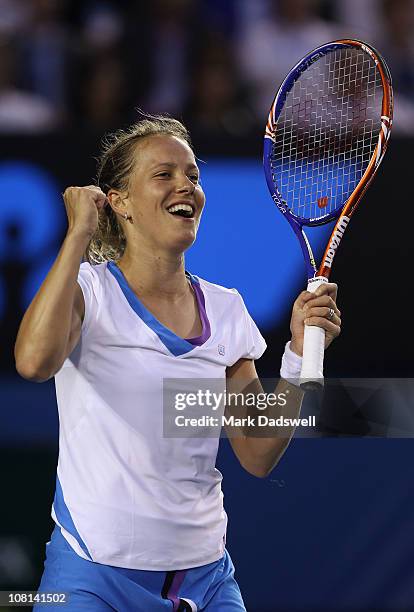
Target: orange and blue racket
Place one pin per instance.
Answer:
(326, 135)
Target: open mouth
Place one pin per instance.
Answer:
(182, 210)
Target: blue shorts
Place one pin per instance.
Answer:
(95, 587)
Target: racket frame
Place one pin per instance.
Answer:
(343, 214)
(311, 376)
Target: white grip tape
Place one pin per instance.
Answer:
(313, 344)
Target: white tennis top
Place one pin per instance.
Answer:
(126, 495)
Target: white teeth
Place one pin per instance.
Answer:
(178, 207)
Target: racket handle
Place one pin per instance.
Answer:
(311, 375)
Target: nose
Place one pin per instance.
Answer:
(185, 185)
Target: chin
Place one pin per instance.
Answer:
(185, 246)
(181, 245)
(176, 240)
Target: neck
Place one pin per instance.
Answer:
(155, 274)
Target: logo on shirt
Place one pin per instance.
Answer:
(221, 349)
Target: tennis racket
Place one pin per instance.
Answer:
(326, 135)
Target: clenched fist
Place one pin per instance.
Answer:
(82, 207)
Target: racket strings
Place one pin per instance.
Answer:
(327, 132)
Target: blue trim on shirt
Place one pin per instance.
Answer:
(64, 517)
(176, 345)
(194, 279)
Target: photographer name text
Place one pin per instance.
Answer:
(260, 420)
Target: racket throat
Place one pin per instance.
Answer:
(308, 257)
(333, 243)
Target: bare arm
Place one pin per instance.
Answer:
(51, 326)
(257, 453)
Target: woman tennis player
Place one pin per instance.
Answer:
(140, 523)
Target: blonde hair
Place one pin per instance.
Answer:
(115, 165)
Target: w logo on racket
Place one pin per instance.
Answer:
(322, 202)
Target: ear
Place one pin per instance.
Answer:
(117, 200)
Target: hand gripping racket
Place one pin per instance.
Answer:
(326, 135)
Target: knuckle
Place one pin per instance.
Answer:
(93, 188)
(300, 299)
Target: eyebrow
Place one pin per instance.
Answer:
(172, 165)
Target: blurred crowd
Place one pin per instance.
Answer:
(89, 64)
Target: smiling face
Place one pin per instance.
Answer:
(165, 198)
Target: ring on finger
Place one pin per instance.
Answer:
(331, 314)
